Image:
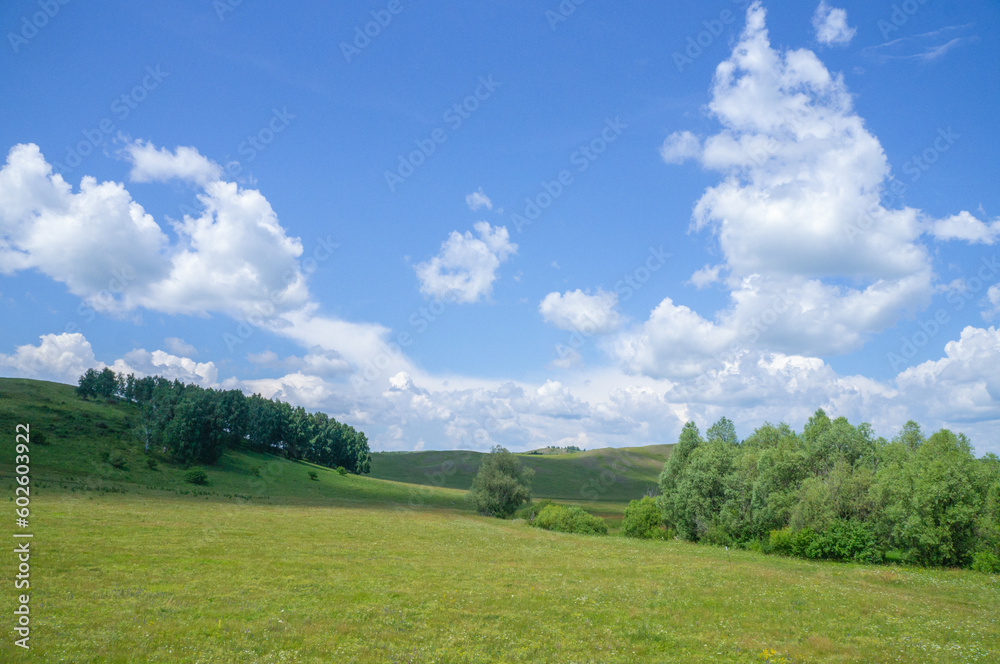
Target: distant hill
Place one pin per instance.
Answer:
(608, 474)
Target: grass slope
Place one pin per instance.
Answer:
(609, 474)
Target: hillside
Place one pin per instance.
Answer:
(79, 435)
(608, 474)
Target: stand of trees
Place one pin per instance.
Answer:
(196, 425)
(836, 491)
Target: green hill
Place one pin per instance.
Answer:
(608, 474)
(81, 436)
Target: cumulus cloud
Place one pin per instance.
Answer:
(478, 199)
(150, 164)
(965, 227)
(831, 26)
(234, 257)
(577, 311)
(58, 357)
(814, 263)
(993, 299)
(466, 266)
(679, 147)
(179, 346)
(964, 385)
(706, 276)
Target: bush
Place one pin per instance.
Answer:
(342, 471)
(313, 475)
(644, 520)
(116, 459)
(530, 511)
(39, 438)
(570, 520)
(196, 476)
(986, 561)
(151, 462)
(843, 540)
(255, 471)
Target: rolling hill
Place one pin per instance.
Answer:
(608, 474)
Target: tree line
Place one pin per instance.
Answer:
(835, 491)
(196, 425)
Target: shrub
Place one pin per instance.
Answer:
(255, 471)
(530, 511)
(151, 462)
(342, 471)
(313, 475)
(643, 519)
(116, 459)
(196, 476)
(986, 561)
(39, 439)
(570, 520)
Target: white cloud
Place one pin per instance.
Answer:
(993, 298)
(179, 346)
(814, 263)
(679, 147)
(577, 311)
(963, 226)
(184, 163)
(478, 199)
(466, 266)
(962, 386)
(58, 357)
(923, 47)
(706, 276)
(235, 257)
(99, 242)
(160, 363)
(831, 26)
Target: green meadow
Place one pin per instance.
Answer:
(264, 564)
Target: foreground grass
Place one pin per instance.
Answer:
(144, 578)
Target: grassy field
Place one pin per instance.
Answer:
(135, 565)
(150, 578)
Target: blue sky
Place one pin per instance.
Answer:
(524, 223)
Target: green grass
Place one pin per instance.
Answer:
(604, 475)
(136, 565)
(148, 578)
